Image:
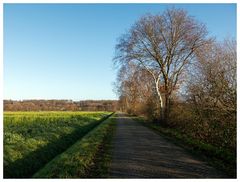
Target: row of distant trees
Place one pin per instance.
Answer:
(173, 72)
(60, 105)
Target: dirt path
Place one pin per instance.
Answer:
(138, 152)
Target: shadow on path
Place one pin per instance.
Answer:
(138, 152)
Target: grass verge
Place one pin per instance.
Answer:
(103, 157)
(221, 159)
(84, 159)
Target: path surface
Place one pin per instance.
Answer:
(138, 152)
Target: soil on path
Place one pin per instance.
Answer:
(138, 152)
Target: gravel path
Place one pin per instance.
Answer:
(138, 152)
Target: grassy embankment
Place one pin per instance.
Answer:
(220, 158)
(32, 139)
(87, 158)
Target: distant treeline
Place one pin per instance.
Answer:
(60, 105)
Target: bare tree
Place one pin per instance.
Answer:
(135, 88)
(215, 83)
(163, 45)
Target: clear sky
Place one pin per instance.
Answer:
(65, 51)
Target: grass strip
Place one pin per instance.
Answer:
(221, 159)
(79, 161)
(103, 157)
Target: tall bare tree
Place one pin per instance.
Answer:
(163, 45)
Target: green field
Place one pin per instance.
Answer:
(84, 159)
(32, 139)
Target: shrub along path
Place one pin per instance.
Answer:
(138, 152)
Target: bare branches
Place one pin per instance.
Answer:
(214, 85)
(163, 45)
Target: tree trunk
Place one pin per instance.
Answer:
(167, 107)
(161, 104)
(164, 106)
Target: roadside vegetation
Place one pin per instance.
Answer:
(182, 80)
(32, 139)
(103, 156)
(87, 158)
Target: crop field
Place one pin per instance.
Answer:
(85, 158)
(32, 139)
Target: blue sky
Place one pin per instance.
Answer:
(65, 51)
